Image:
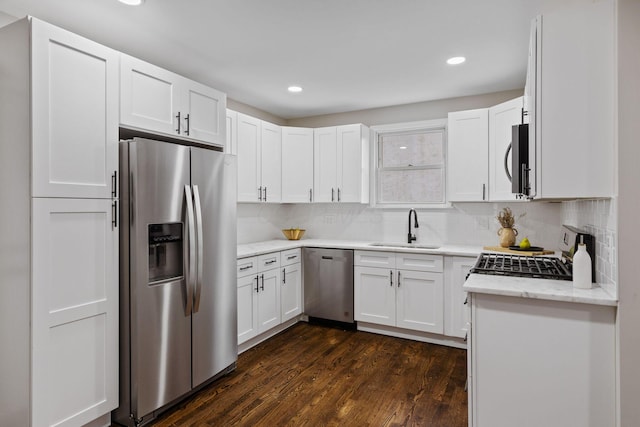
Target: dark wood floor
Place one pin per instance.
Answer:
(317, 376)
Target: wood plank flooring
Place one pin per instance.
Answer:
(318, 376)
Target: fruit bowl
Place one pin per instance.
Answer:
(293, 233)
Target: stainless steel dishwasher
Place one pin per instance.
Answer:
(328, 285)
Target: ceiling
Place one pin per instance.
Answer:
(347, 54)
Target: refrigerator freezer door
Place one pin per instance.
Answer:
(160, 324)
(214, 324)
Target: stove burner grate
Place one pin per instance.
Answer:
(521, 266)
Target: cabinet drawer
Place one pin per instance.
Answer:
(269, 261)
(291, 256)
(374, 259)
(419, 262)
(247, 266)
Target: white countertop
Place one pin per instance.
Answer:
(553, 290)
(259, 248)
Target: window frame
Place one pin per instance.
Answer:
(423, 125)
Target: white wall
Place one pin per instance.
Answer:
(5, 18)
(629, 209)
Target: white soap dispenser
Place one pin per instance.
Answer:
(582, 267)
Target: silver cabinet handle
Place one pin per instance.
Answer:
(257, 282)
(192, 249)
(292, 257)
(310, 195)
(260, 193)
(284, 276)
(199, 248)
(271, 261)
(332, 195)
(246, 267)
(262, 278)
(391, 278)
(338, 194)
(186, 119)
(265, 194)
(484, 188)
(114, 214)
(178, 117)
(398, 278)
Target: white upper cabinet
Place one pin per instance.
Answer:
(572, 98)
(271, 158)
(467, 163)
(297, 165)
(231, 144)
(249, 160)
(341, 164)
(501, 119)
(158, 100)
(259, 146)
(74, 121)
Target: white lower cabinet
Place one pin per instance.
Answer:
(456, 313)
(291, 292)
(269, 292)
(410, 297)
(541, 363)
(74, 309)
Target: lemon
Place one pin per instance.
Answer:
(525, 244)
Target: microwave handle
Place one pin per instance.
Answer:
(506, 162)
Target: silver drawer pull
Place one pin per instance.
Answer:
(270, 262)
(292, 257)
(246, 267)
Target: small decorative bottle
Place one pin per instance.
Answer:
(582, 267)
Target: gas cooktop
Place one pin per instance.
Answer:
(522, 266)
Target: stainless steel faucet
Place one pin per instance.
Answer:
(412, 237)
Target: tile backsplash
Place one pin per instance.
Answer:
(464, 223)
(597, 217)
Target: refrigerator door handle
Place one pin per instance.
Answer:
(192, 250)
(199, 264)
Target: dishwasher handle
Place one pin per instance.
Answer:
(326, 257)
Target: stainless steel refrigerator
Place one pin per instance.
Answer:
(178, 327)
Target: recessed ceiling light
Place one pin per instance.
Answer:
(294, 89)
(456, 60)
(403, 147)
(132, 2)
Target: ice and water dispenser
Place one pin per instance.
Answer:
(165, 252)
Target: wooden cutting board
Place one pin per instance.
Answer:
(511, 251)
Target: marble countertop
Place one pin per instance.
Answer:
(546, 289)
(259, 248)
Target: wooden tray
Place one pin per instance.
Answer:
(521, 252)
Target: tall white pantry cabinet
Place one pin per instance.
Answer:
(58, 221)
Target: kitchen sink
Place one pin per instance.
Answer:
(404, 245)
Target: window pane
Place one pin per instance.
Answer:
(412, 149)
(411, 186)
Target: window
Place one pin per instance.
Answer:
(410, 164)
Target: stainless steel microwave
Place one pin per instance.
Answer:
(520, 165)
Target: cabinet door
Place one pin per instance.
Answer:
(297, 165)
(375, 295)
(247, 307)
(467, 150)
(353, 164)
(269, 300)
(75, 114)
(248, 159)
(231, 144)
(149, 96)
(420, 301)
(74, 311)
(271, 159)
(456, 313)
(501, 118)
(291, 294)
(325, 167)
(203, 110)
